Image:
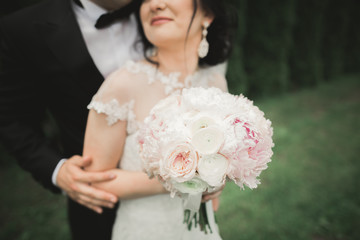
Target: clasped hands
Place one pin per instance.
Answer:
(77, 183)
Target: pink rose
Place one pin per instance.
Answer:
(180, 163)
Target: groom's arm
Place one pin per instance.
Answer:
(21, 113)
(22, 108)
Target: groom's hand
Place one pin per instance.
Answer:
(77, 184)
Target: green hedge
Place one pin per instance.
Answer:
(306, 53)
(284, 45)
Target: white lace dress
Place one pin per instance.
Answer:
(128, 95)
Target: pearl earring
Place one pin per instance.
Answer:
(204, 45)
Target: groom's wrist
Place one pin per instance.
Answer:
(56, 171)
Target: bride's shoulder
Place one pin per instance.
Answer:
(122, 74)
(125, 79)
(131, 69)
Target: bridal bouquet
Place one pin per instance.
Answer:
(194, 141)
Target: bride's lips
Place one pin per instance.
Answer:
(160, 20)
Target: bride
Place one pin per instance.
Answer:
(175, 34)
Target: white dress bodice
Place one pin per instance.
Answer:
(159, 216)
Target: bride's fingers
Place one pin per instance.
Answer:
(210, 196)
(215, 204)
(76, 197)
(95, 202)
(90, 206)
(96, 195)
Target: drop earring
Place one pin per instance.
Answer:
(204, 45)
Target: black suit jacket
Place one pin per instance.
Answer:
(45, 66)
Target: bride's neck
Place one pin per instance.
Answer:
(183, 60)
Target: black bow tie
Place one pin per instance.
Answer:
(120, 14)
(108, 18)
(79, 3)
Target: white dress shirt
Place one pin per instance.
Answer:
(109, 47)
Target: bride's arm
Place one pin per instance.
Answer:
(105, 145)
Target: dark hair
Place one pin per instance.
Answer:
(220, 32)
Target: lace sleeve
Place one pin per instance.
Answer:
(113, 110)
(114, 98)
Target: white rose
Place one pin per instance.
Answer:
(208, 140)
(212, 169)
(193, 186)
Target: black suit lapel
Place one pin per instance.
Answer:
(63, 36)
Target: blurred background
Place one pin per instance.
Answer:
(299, 60)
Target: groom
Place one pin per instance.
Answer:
(54, 57)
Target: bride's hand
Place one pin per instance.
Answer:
(77, 184)
(214, 196)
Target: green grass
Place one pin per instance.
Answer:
(309, 190)
(27, 211)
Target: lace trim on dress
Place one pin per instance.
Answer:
(115, 112)
(202, 77)
(171, 81)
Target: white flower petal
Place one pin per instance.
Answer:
(212, 169)
(208, 140)
(200, 123)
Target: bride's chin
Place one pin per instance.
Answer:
(164, 39)
(165, 44)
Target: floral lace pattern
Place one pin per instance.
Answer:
(171, 81)
(115, 112)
